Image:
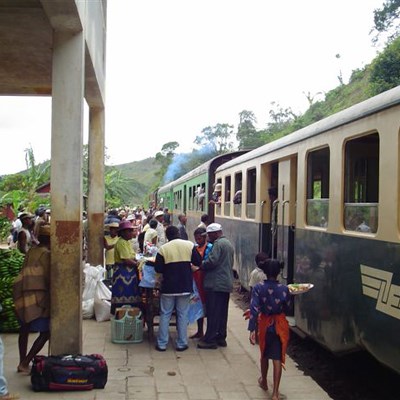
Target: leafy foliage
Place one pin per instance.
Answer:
(164, 158)
(19, 190)
(386, 19)
(385, 69)
(247, 134)
(219, 137)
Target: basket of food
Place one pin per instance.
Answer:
(299, 288)
(127, 326)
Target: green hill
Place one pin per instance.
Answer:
(140, 180)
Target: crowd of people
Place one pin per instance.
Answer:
(207, 263)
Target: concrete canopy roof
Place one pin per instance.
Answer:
(26, 36)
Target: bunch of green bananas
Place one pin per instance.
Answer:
(8, 320)
(6, 287)
(10, 265)
(10, 262)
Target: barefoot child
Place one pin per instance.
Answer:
(269, 302)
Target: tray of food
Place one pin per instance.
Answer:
(298, 288)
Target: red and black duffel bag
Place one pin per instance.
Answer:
(69, 372)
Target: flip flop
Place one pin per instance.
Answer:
(263, 386)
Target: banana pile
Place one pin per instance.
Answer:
(10, 265)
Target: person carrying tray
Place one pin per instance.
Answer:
(270, 300)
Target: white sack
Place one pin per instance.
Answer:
(102, 302)
(93, 275)
(88, 309)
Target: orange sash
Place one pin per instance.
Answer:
(281, 328)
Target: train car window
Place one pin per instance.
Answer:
(237, 208)
(251, 193)
(191, 199)
(227, 196)
(362, 184)
(318, 188)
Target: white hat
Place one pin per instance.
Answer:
(158, 213)
(214, 228)
(131, 217)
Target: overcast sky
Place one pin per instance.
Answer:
(175, 67)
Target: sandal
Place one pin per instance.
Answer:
(263, 385)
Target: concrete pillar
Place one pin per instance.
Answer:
(66, 192)
(95, 232)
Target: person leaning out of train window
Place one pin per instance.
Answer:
(237, 198)
(201, 195)
(216, 195)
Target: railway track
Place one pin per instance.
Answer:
(355, 376)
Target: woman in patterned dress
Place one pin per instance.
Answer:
(125, 282)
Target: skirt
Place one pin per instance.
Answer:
(273, 346)
(125, 288)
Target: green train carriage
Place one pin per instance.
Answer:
(191, 193)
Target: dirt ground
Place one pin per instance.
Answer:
(352, 377)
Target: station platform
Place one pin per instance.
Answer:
(138, 371)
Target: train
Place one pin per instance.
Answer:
(324, 200)
(191, 193)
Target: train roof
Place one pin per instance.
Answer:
(203, 168)
(370, 106)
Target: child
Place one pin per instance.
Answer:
(109, 244)
(269, 302)
(257, 275)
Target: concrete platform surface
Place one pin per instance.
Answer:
(138, 371)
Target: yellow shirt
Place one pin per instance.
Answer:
(123, 250)
(110, 253)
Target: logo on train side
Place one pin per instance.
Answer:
(378, 285)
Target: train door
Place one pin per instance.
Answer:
(268, 210)
(285, 215)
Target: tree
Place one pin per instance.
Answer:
(281, 121)
(385, 69)
(247, 134)
(20, 189)
(386, 20)
(165, 157)
(219, 137)
(117, 187)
